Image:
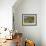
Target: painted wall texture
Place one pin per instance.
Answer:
(28, 7)
(6, 13)
(36, 33)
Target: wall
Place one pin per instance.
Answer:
(6, 17)
(6, 13)
(43, 22)
(28, 7)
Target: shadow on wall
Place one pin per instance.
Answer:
(12, 44)
(18, 3)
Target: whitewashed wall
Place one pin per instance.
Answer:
(6, 16)
(25, 7)
(28, 7)
(43, 22)
(6, 13)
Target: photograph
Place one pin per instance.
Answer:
(29, 19)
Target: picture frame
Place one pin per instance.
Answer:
(29, 19)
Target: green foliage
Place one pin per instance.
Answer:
(29, 19)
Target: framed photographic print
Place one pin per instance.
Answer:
(29, 19)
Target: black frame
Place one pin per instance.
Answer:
(29, 14)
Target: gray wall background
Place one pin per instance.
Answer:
(28, 7)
